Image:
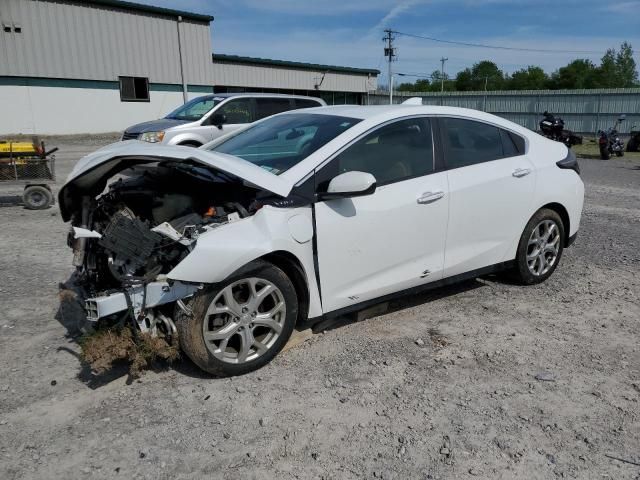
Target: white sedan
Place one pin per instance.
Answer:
(312, 214)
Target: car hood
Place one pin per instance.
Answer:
(155, 125)
(89, 176)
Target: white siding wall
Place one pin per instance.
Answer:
(58, 111)
(266, 76)
(71, 40)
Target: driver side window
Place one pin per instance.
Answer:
(237, 111)
(395, 152)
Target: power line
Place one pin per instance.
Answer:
(495, 47)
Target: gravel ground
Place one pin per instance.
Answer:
(485, 379)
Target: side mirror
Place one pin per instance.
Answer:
(218, 119)
(622, 117)
(349, 184)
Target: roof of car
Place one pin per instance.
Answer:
(259, 94)
(365, 112)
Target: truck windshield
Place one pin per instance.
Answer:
(194, 109)
(280, 142)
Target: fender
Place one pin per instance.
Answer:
(223, 250)
(179, 137)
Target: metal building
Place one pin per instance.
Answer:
(336, 85)
(97, 65)
(94, 66)
(584, 111)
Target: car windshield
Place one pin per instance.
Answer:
(278, 143)
(194, 109)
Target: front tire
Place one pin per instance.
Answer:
(604, 153)
(620, 153)
(241, 324)
(540, 247)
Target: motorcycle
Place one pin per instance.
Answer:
(610, 142)
(633, 145)
(553, 127)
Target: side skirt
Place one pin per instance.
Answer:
(498, 267)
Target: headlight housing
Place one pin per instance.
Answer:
(152, 137)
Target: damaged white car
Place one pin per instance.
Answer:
(311, 214)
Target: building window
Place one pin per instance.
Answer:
(134, 89)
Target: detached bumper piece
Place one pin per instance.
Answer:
(151, 295)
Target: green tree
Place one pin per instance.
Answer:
(421, 85)
(607, 75)
(580, 73)
(530, 78)
(436, 82)
(626, 66)
(482, 74)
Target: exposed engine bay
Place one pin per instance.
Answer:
(128, 237)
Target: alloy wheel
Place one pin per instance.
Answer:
(543, 247)
(244, 320)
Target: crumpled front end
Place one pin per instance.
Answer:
(135, 221)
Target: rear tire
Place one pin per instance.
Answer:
(37, 197)
(604, 153)
(540, 248)
(241, 324)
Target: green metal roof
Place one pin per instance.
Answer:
(151, 9)
(285, 63)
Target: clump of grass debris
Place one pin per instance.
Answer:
(106, 348)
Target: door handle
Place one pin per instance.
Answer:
(521, 172)
(430, 197)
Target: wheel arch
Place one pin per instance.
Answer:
(291, 266)
(564, 216)
(190, 143)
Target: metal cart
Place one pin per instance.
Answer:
(29, 164)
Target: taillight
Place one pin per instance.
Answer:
(570, 162)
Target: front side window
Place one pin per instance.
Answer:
(237, 111)
(277, 144)
(195, 109)
(467, 142)
(395, 152)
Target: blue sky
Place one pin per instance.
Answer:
(349, 32)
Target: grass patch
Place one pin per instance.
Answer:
(103, 349)
(590, 149)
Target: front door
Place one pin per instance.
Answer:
(239, 112)
(390, 240)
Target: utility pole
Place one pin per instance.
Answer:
(442, 60)
(390, 53)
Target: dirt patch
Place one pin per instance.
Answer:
(438, 339)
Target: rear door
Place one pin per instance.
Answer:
(390, 240)
(491, 187)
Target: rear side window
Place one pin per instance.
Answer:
(467, 142)
(265, 107)
(395, 152)
(306, 103)
(518, 141)
(509, 148)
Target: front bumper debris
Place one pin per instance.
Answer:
(149, 296)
